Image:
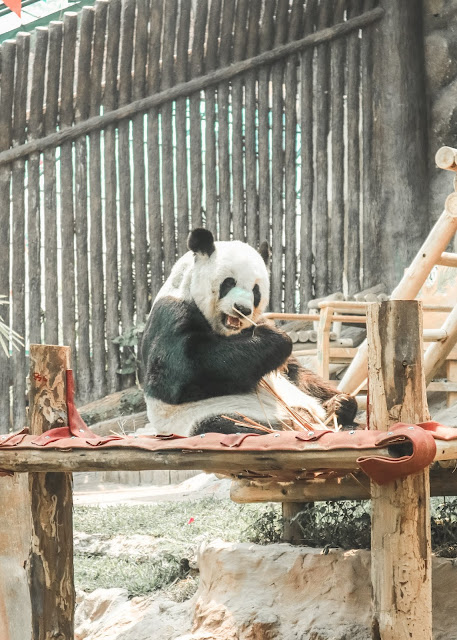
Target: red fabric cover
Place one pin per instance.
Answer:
(379, 468)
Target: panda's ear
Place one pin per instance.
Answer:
(201, 241)
(265, 252)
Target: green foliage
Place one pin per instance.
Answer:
(129, 341)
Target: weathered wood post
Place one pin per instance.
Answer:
(400, 539)
(51, 554)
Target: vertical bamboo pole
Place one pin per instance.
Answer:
(139, 184)
(211, 60)
(266, 41)
(110, 99)
(250, 128)
(8, 52)
(154, 199)
(18, 229)
(51, 327)
(51, 556)
(67, 206)
(81, 213)
(225, 51)
(307, 165)
(196, 68)
(182, 187)
(168, 74)
(400, 538)
(323, 342)
(96, 226)
(239, 52)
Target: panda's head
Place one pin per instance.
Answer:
(229, 280)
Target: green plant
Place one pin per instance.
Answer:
(129, 341)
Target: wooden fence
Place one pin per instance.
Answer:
(126, 125)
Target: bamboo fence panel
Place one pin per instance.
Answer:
(306, 164)
(124, 167)
(290, 154)
(239, 52)
(225, 58)
(168, 49)
(353, 153)
(263, 107)
(196, 68)
(139, 181)
(154, 199)
(182, 186)
(51, 328)
(18, 226)
(153, 117)
(6, 109)
(250, 128)
(35, 130)
(337, 57)
(211, 62)
(110, 100)
(81, 208)
(96, 225)
(67, 207)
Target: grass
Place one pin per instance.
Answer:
(179, 528)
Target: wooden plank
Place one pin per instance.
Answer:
(250, 109)
(196, 69)
(84, 382)
(277, 159)
(323, 342)
(96, 225)
(111, 240)
(353, 156)
(320, 210)
(266, 42)
(18, 228)
(67, 207)
(139, 169)
(436, 354)
(35, 129)
(400, 534)
(51, 324)
(211, 62)
(307, 166)
(50, 563)
(154, 199)
(182, 193)
(290, 160)
(239, 52)
(124, 168)
(6, 112)
(371, 229)
(168, 203)
(337, 66)
(223, 94)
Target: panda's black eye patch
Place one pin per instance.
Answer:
(257, 296)
(225, 287)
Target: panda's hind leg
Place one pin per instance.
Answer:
(219, 424)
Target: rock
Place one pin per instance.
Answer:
(251, 592)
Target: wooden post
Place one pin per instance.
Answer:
(323, 342)
(400, 539)
(291, 531)
(51, 555)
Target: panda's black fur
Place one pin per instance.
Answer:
(192, 363)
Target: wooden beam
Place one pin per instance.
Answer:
(51, 556)
(445, 158)
(323, 342)
(411, 283)
(401, 537)
(448, 259)
(437, 353)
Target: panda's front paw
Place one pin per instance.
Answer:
(344, 406)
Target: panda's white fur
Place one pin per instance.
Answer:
(198, 277)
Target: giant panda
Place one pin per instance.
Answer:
(204, 357)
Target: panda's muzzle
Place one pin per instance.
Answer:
(234, 322)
